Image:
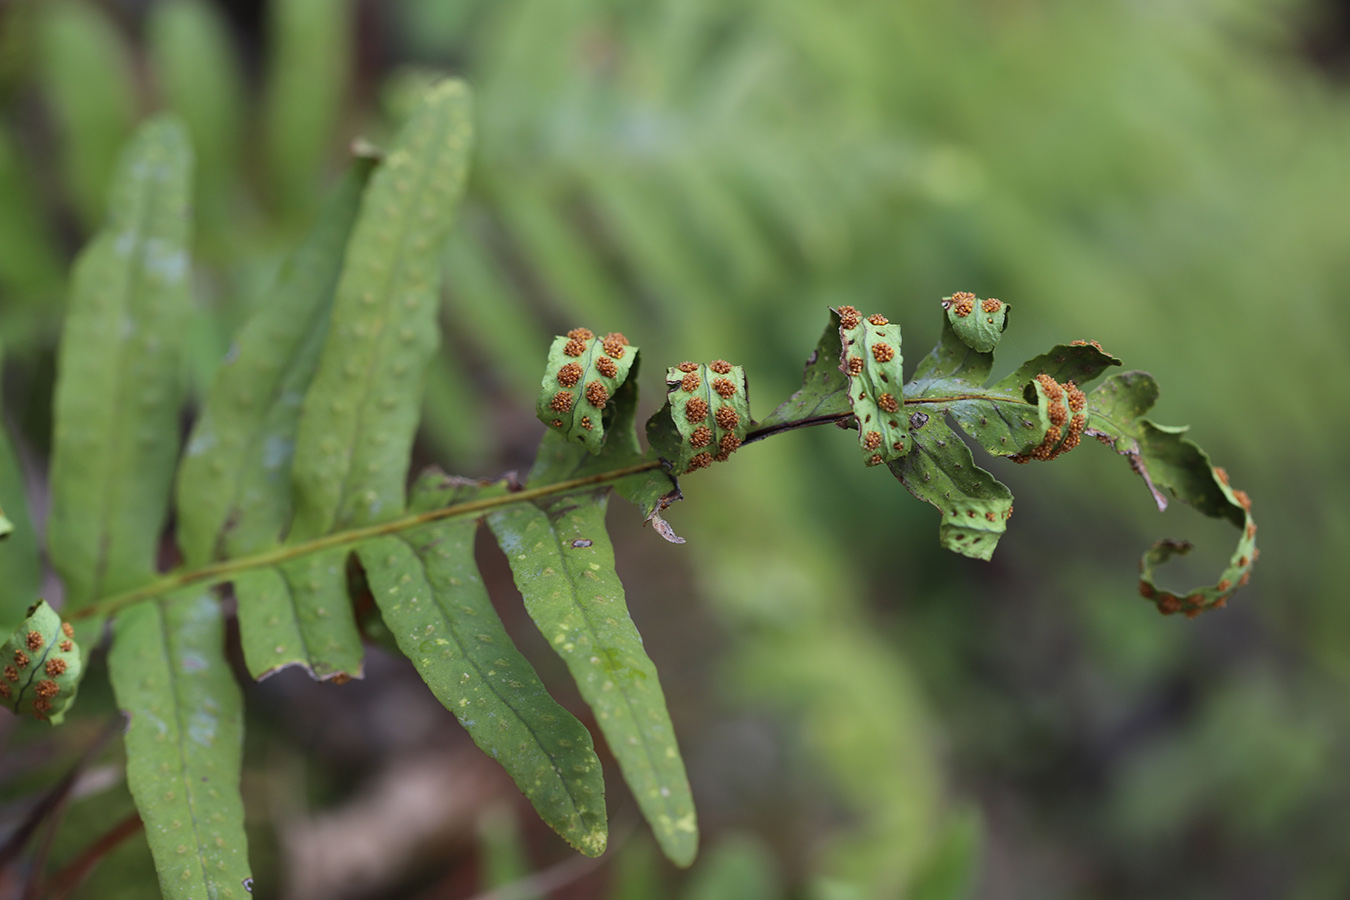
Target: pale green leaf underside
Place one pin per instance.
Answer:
(298, 613)
(184, 743)
(20, 561)
(118, 393)
(563, 564)
(234, 489)
(359, 417)
(429, 591)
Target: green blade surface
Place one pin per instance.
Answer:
(184, 743)
(118, 390)
(563, 563)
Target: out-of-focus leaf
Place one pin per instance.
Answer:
(200, 80)
(307, 78)
(87, 75)
(118, 391)
(738, 867)
(427, 585)
(479, 298)
(184, 742)
(30, 264)
(20, 562)
(953, 865)
(563, 563)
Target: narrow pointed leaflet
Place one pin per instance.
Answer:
(432, 597)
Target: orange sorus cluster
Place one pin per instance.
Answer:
(570, 374)
(1195, 603)
(697, 409)
(871, 440)
(1064, 400)
(46, 689)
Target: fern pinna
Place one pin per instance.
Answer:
(296, 468)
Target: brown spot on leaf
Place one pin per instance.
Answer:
(569, 375)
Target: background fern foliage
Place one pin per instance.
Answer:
(191, 363)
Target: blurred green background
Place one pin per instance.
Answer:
(863, 714)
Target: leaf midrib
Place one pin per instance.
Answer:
(217, 572)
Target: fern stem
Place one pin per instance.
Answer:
(227, 569)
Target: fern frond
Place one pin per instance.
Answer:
(184, 742)
(118, 390)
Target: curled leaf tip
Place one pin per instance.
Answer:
(979, 324)
(1172, 465)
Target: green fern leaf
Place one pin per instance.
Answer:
(307, 80)
(1037, 412)
(41, 666)
(1171, 464)
(301, 615)
(201, 82)
(88, 76)
(582, 374)
(233, 490)
(20, 561)
(118, 391)
(563, 564)
(184, 742)
(359, 417)
(706, 416)
(427, 586)
(870, 355)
